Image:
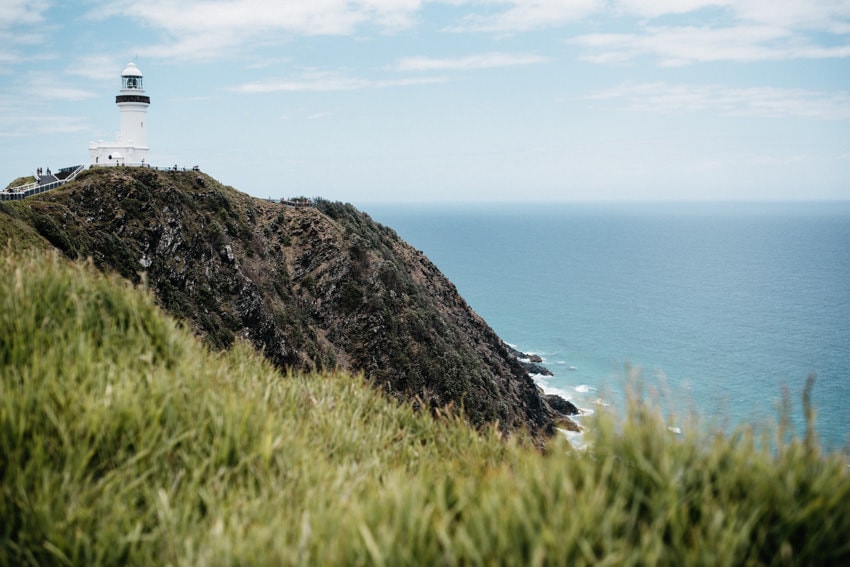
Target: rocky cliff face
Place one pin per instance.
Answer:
(311, 288)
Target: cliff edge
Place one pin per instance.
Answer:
(311, 287)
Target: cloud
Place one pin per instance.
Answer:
(763, 102)
(658, 8)
(827, 16)
(743, 31)
(740, 30)
(665, 29)
(43, 86)
(329, 82)
(53, 92)
(316, 17)
(199, 29)
(9, 57)
(18, 18)
(29, 107)
(684, 45)
(95, 67)
(526, 15)
(27, 125)
(481, 61)
(23, 116)
(14, 13)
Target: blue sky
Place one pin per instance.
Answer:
(447, 100)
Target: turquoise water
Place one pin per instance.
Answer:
(726, 302)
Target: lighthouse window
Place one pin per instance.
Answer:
(132, 82)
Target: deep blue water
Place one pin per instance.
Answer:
(727, 301)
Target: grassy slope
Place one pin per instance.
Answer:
(21, 181)
(16, 234)
(124, 441)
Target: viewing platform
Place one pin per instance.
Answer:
(47, 181)
(44, 182)
(298, 202)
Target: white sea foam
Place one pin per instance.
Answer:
(543, 381)
(576, 438)
(585, 388)
(558, 392)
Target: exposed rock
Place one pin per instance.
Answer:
(533, 369)
(531, 362)
(562, 406)
(563, 409)
(311, 288)
(563, 422)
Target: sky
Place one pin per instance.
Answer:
(446, 100)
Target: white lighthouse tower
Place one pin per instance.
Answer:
(131, 146)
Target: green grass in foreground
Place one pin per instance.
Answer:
(124, 441)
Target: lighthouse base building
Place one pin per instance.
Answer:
(131, 145)
(116, 153)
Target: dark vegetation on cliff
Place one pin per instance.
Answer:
(311, 288)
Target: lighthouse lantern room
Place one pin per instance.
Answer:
(131, 145)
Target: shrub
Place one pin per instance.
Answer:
(54, 233)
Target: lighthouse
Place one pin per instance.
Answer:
(131, 145)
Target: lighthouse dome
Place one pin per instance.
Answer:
(131, 71)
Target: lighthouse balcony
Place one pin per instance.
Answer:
(132, 98)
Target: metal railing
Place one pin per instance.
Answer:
(298, 203)
(30, 189)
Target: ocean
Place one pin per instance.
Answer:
(720, 305)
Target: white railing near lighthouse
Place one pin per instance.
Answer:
(30, 189)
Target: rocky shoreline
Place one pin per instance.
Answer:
(531, 362)
(561, 408)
